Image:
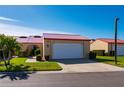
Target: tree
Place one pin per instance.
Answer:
(12, 46)
(2, 48)
(8, 45)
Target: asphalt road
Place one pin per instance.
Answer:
(94, 79)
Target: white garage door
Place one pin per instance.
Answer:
(64, 51)
(120, 49)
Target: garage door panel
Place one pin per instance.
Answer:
(63, 51)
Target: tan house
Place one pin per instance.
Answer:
(107, 45)
(58, 46)
(30, 42)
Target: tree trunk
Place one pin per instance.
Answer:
(9, 57)
(1, 58)
(4, 59)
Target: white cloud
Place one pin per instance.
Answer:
(15, 30)
(8, 19)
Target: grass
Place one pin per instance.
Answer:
(19, 64)
(110, 60)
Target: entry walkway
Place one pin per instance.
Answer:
(32, 59)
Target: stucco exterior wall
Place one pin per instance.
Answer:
(110, 47)
(86, 48)
(99, 45)
(49, 46)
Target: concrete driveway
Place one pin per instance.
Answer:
(83, 65)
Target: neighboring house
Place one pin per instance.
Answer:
(107, 45)
(59, 46)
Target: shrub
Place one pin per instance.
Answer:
(99, 52)
(106, 54)
(47, 57)
(37, 52)
(23, 54)
(92, 55)
(111, 53)
(38, 58)
(31, 53)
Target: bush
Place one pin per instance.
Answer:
(111, 53)
(47, 57)
(31, 53)
(106, 54)
(99, 52)
(23, 54)
(37, 52)
(38, 58)
(92, 55)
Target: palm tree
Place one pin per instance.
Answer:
(2, 48)
(12, 46)
(8, 46)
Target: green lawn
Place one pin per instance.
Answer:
(110, 60)
(19, 64)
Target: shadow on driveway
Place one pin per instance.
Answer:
(75, 61)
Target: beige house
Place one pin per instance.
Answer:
(107, 45)
(58, 46)
(29, 43)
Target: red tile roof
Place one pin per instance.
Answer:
(111, 40)
(63, 37)
(29, 39)
(39, 39)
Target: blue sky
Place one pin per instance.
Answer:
(89, 21)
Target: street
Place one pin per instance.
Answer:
(91, 79)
